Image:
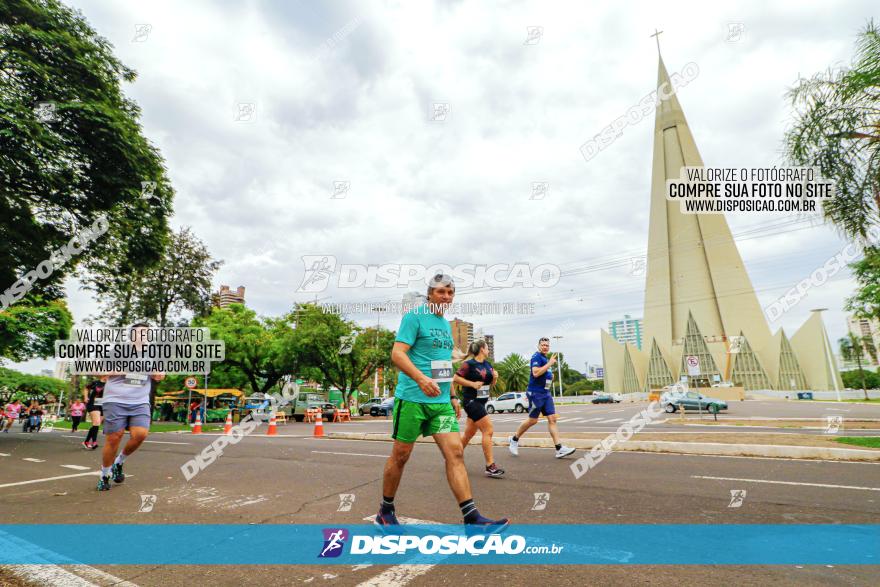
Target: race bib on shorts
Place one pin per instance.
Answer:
(548, 383)
(441, 371)
(135, 379)
(483, 391)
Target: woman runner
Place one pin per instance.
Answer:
(94, 408)
(476, 376)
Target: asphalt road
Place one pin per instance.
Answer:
(299, 480)
(605, 418)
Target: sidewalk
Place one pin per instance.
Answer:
(792, 446)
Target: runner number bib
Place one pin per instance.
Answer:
(441, 371)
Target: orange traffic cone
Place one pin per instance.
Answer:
(197, 427)
(319, 426)
(273, 429)
(227, 428)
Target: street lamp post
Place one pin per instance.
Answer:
(556, 338)
(378, 310)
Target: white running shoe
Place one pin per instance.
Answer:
(513, 446)
(564, 451)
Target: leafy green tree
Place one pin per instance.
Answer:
(866, 301)
(320, 346)
(860, 378)
(181, 281)
(837, 130)
(854, 348)
(71, 148)
(29, 328)
(16, 384)
(263, 350)
(513, 373)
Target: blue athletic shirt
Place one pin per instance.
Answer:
(430, 340)
(542, 383)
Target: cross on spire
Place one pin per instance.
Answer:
(656, 36)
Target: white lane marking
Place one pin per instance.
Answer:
(4, 454)
(50, 479)
(787, 483)
(610, 420)
(33, 460)
(615, 411)
(355, 454)
(47, 575)
(165, 442)
(100, 576)
(399, 575)
(71, 436)
(561, 420)
(76, 467)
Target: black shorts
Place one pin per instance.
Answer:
(476, 408)
(93, 408)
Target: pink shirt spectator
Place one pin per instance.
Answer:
(77, 408)
(12, 411)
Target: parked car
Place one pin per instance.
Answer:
(690, 400)
(311, 400)
(364, 408)
(514, 401)
(606, 398)
(384, 408)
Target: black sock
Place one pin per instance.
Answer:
(558, 446)
(387, 504)
(515, 438)
(93, 434)
(469, 511)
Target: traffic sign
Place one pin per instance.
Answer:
(693, 365)
(191, 382)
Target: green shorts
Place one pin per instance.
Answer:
(413, 419)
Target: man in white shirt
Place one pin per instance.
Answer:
(126, 405)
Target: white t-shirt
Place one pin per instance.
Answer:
(132, 389)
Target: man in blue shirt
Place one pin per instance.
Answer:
(540, 393)
(423, 406)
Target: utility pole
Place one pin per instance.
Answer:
(559, 369)
(378, 310)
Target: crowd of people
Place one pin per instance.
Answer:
(30, 416)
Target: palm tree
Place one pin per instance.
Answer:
(513, 373)
(853, 348)
(837, 130)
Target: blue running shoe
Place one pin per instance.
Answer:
(104, 484)
(483, 525)
(385, 519)
(118, 475)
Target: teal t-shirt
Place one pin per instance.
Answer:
(430, 340)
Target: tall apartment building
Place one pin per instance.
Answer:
(227, 296)
(628, 329)
(864, 327)
(490, 342)
(462, 334)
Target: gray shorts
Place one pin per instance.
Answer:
(120, 416)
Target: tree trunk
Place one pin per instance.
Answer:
(862, 373)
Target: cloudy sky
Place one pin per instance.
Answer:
(345, 91)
